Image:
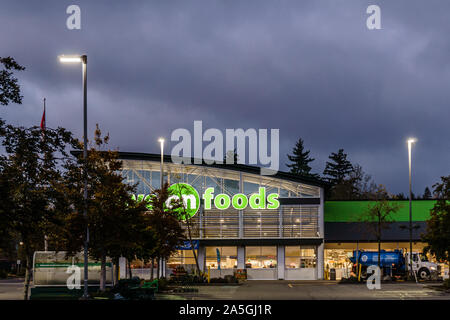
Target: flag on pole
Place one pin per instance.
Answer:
(43, 119)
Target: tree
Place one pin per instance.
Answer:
(165, 223)
(437, 235)
(338, 168)
(30, 169)
(182, 210)
(338, 173)
(115, 219)
(426, 194)
(363, 184)
(9, 87)
(399, 196)
(300, 161)
(356, 186)
(379, 214)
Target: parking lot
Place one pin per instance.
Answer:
(283, 290)
(313, 290)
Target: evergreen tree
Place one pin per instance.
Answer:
(400, 196)
(426, 194)
(300, 160)
(339, 168)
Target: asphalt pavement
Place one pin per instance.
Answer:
(11, 289)
(317, 290)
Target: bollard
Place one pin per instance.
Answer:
(359, 273)
(209, 268)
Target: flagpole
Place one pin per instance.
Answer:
(43, 132)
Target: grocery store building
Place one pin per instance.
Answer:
(297, 240)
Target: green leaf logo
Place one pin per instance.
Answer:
(190, 197)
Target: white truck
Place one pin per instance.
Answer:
(422, 267)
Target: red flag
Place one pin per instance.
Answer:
(43, 119)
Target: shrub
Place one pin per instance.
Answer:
(352, 279)
(446, 284)
(132, 289)
(231, 279)
(21, 273)
(3, 274)
(163, 283)
(218, 280)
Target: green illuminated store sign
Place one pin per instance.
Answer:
(191, 200)
(240, 201)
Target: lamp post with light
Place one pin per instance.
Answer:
(161, 141)
(410, 142)
(83, 60)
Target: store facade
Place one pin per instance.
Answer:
(298, 240)
(280, 235)
(346, 230)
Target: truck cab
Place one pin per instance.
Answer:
(422, 267)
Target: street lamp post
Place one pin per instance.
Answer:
(83, 60)
(410, 142)
(161, 141)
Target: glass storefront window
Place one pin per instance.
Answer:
(296, 257)
(182, 257)
(228, 257)
(260, 257)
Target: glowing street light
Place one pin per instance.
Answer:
(70, 59)
(410, 142)
(83, 60)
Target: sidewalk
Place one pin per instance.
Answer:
(11, 289)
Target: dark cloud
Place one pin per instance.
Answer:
(310, 68)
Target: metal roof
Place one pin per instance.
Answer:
(235, 167)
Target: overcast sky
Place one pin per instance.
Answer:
(310, 68)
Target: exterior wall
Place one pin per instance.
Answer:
(320, 252)
(320, 255)
(301, 274)
(241, 257)
(144, 273)
(215, 273)
(122, 268)
(262, 274)
(280, 262)
(201, 258)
